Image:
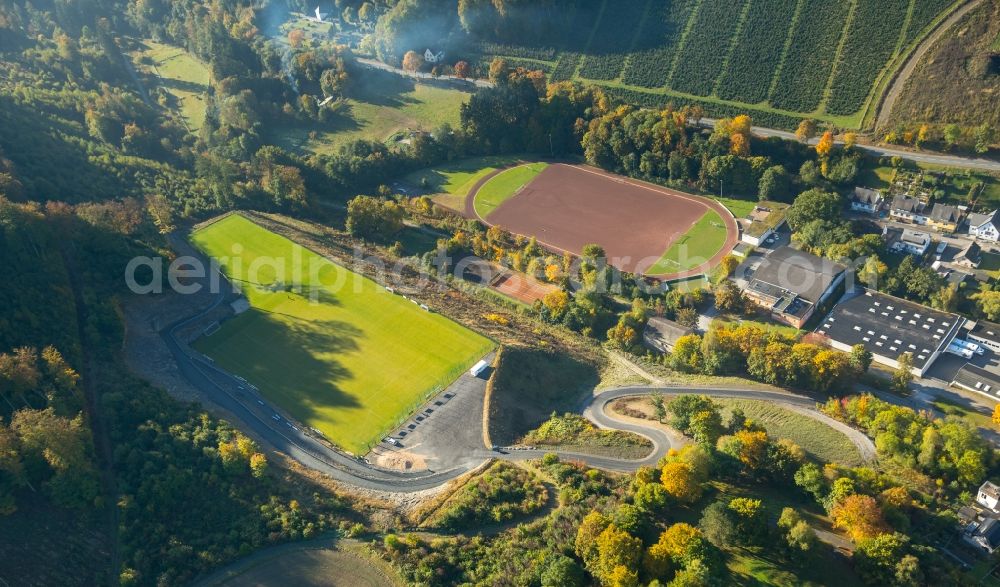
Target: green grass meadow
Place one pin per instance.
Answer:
(379, 106)
(184, 77)
(353, 364)
(504, 185)
(816, 438)
(699, 244)
(453, 180)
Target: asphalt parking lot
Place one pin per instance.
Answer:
(447, 430)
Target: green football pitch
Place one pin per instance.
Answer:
(696, 246)
(504, 185)
(336, 350)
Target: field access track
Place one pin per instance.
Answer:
(568, 206)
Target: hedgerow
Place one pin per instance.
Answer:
(704, 52)
(757, 53)
(566, 67)
(871, 41)
(541, 53)
(528, 64)
(656, 44)
(612, 40)
(654, 100)
(810, 57)
(924, 12)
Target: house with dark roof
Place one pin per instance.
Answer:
(944, 218)
(969, 256)
(867, 200)
(792, 284)
(907, 209)
(661, 334)
(985, 534)
(984, 226)
(888, 326)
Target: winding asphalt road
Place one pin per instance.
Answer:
(243, 400)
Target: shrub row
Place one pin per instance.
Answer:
(542, 53)
(757, 53)
(871, 41)
(566, 67)
(528, 64)
(924, 12)
(810, 57)
(653, 100)
(704, 52)
(656, 44)
(612, 40)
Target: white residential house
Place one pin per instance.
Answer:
(432, 57)
(985, 226)
(910, 241)
(908, 209)
(988, 496)
(867, 200)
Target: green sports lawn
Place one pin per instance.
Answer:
(353, 364)
(504, 185)
(452, 181)
(700, 243)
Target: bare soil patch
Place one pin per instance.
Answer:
(567, 207)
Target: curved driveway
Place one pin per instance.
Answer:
(242, 400)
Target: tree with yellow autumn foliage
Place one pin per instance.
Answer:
(825, 145)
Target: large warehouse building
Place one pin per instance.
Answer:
(888, 327)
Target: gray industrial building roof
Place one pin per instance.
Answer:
(890, 326)
(798, 272)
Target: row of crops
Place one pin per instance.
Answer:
(656, 43)
(757, 52)
(871, 42)
(778, 53)
(566, 68)
(806, 68)
(518, 51)
(612, 40)
(704, 54)
(652, 99)
(924, 12)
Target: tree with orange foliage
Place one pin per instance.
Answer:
(860, 516)
(996, 415)
(462, 69)
(739, 145)
(825, 144)
(413, 61)
(295, 38)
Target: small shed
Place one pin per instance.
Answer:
(661, 334)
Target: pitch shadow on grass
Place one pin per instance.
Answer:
(303, 374)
